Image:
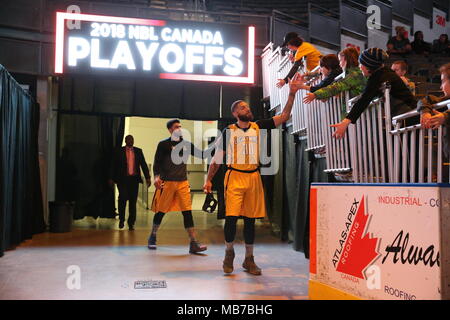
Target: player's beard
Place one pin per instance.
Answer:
(246, 117)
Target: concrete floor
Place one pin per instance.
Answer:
(111, 260)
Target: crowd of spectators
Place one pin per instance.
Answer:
(400, 44)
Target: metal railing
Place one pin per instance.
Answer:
(265, 57)
(283, 69)
(370, 144)
(314, 125)
(299, 109)
(337, 151)
(273, 65)
(418, 152)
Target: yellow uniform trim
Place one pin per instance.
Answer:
(320, 291)
(174, 196)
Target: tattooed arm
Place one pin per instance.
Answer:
(294, 85)
(214, 167)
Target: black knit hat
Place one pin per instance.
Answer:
(373, 58)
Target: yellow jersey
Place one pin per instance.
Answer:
(243, 147)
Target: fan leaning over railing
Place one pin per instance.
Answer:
(421, 157)
(370, 144)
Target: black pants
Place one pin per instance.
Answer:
(128, 191)
(230, 229)
(187, 219)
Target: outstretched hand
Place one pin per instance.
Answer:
(310, 97)
(295, 84)
(437, 120)
(425, 119)
(341, 128)
(280, 83)
(429, 121)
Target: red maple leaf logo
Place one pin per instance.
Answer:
(359, 251)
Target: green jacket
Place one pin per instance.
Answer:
(354, 81)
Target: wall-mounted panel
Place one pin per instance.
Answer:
(280, 28)
(403, 9)
(24, 14)
(424, 7)
(20, 56)
(353, 20)
(324, 28)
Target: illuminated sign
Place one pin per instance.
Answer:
(154, 48)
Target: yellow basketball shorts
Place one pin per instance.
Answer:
(244, 194)
(174, 196)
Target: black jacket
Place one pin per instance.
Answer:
(163, 165)
(327, 80)
(402, 100)
(119, 165)
(294, 69)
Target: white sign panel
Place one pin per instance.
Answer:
(324, 51)
(347, 42)
(379, 242)
(439, 25)
(377, 39)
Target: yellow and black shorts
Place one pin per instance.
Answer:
(174, 196)
(244, 194)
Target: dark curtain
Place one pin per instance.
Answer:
(86, 145)
(21, 208)
(273, 187)
(289, 185)
(287, 192)
(190, 100)
(309, 170)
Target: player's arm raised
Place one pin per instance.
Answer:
(294, 86)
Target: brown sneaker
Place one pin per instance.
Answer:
(228, 261)
(196, 247)
(250, 266)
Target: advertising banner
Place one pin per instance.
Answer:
(439, 25)
(381, 242)
(347, 42)
(181, 50)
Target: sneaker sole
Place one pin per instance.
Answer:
(194, 252)
(253, 273)
(227, 271)
(152, 247)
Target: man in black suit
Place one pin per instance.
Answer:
(125, 171)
